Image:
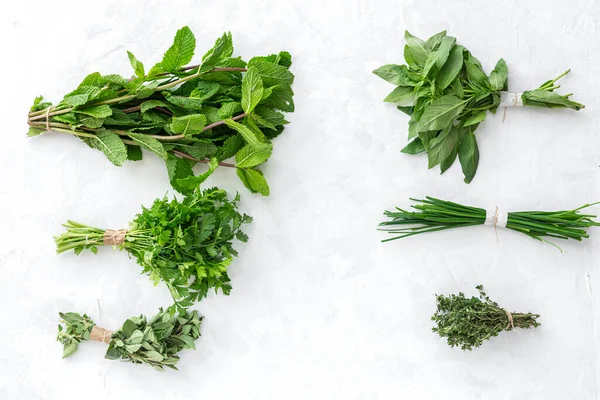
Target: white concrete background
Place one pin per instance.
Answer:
(320, 308)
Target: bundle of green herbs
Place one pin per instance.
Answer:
(431, 214)
(445, 92)
(155, 342)
(225, 107)
(467, 323)
(187, 244)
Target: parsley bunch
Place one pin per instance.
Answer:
(224, 107)
(155, 342)
(467, 323)
(187, 244)
(446, 93)
(437, 215)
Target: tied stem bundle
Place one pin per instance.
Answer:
(155, 342)
(467, 323)
(186, 244)
(446, 93)
(222, 108)
(433, 215)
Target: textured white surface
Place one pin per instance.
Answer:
(320, 309)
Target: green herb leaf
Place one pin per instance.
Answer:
(401, 93)
(188, 125)
(149, 143)
(252, 90)
(249, 136)
(138, 67)
(111, 145)
(250, 156)
(499, 76)
(441, 113)
(254, 180)
(468, 154)
(417, 48)
(181, 52)
(451, 68)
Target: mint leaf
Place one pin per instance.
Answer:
(181, 51)
(192, 182)
(111, 145)
(149, 104)
(149, 143)
(138, 67)
(102, 111)
(272, 74)
(249, 136)
(254, 180)
(222, 49)
(188, 125)
(252, 90)
(251, 156)
(188, 103)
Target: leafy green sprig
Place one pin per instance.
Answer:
(446, 93)
(186, 244)
(155, 342)
(431, 215)
(468, 322)
(207, 113)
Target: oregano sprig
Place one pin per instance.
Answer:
(468, 322)
(186, 244)
(446, 93)
(155, 342)
(222, 108)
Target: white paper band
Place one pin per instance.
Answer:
(508, 99)
(496, 217)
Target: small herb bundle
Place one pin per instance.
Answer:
(467, 323)
(445, 92)
(205, 113)
(155, 342)
(187, 244)
(433, 214)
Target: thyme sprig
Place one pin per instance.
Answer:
(468, 322)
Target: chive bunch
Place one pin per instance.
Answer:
(431, 214)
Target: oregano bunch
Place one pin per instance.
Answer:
(155, 342)
(468, 322)
(187, 244)
(446, 93)
(222, 108)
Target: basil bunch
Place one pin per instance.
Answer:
(446, 93)
(155, 342)
(468, 322)
(225, 107)
(186, 244)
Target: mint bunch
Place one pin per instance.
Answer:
(155, 342)
(222, 108)
(186, 244)
(446, 93)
